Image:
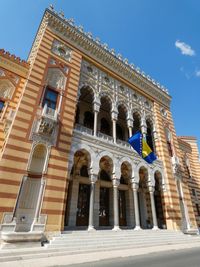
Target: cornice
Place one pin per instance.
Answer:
(14, 65)
(93, 49)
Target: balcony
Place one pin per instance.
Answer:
(45, 126)
(101, 137)
(50, 113)
(83, 134)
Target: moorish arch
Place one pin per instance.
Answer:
(105, 189)
(159, 171)
(158, 197)
(87, 149)
(137, 117)
(140, 165)
(84, 113)
(130, 162)
(149, 133)
(121, 126)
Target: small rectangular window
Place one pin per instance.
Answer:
(169, 146)
(193, 192)
(198, 210)
(50, 99)
(1, 105)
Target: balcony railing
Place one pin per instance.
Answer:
(105, 137)
(83, 129)
(123, 143)
(101, 136)
(50, 113)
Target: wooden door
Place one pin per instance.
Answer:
(82, 215)
(122, 208)
(104, 207)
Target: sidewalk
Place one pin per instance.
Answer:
(69, 260)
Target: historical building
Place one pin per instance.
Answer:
(65, 117)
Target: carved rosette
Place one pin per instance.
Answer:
(61, 50)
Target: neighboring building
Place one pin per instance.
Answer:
(65, 116)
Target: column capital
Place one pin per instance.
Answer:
(130, 122)
(92, 176)
(114, 115)
(134, 186)
(130, 119)
(151, 188)
(115, 182)
(96, 105)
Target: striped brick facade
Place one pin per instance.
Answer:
(16, 145)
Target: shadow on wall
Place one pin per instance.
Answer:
(174, 216)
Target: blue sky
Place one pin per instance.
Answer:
(161, 37)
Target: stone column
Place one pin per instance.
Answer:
(130, 123)
(93, 179)
(96, 107)
(95, 122)
(153, 208)
(115, 182)
(114, 115)
(135, 187)
(143, 127)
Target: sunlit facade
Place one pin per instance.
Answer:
(65, 117)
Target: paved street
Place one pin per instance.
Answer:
(182, 258)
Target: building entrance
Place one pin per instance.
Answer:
(122, 208)
(82, 215)
(104, 207)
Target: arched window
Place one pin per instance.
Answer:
(1, 105)
(119, 132)
(55, 78)
(84, 171)
(123, 180)
(6, 89)
(38, 159)
(104, 176)
(50, 98)
(105, 126)
(136, 123)
(149, 136)
(88, 120)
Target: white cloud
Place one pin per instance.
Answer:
(185, 48)
(197, 73)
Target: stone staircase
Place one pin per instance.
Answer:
(79, 242)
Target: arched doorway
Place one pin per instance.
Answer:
(146, 221)
(105, 194)
(158, 196)
(123, 196)
(78, 197)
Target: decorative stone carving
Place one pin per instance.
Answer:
(61, 50)
(176, 167)
(104, 85)
(56, 78)
(2, 73)
(6, 89)
(45, 127)
(104, 55)
(163, 112)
